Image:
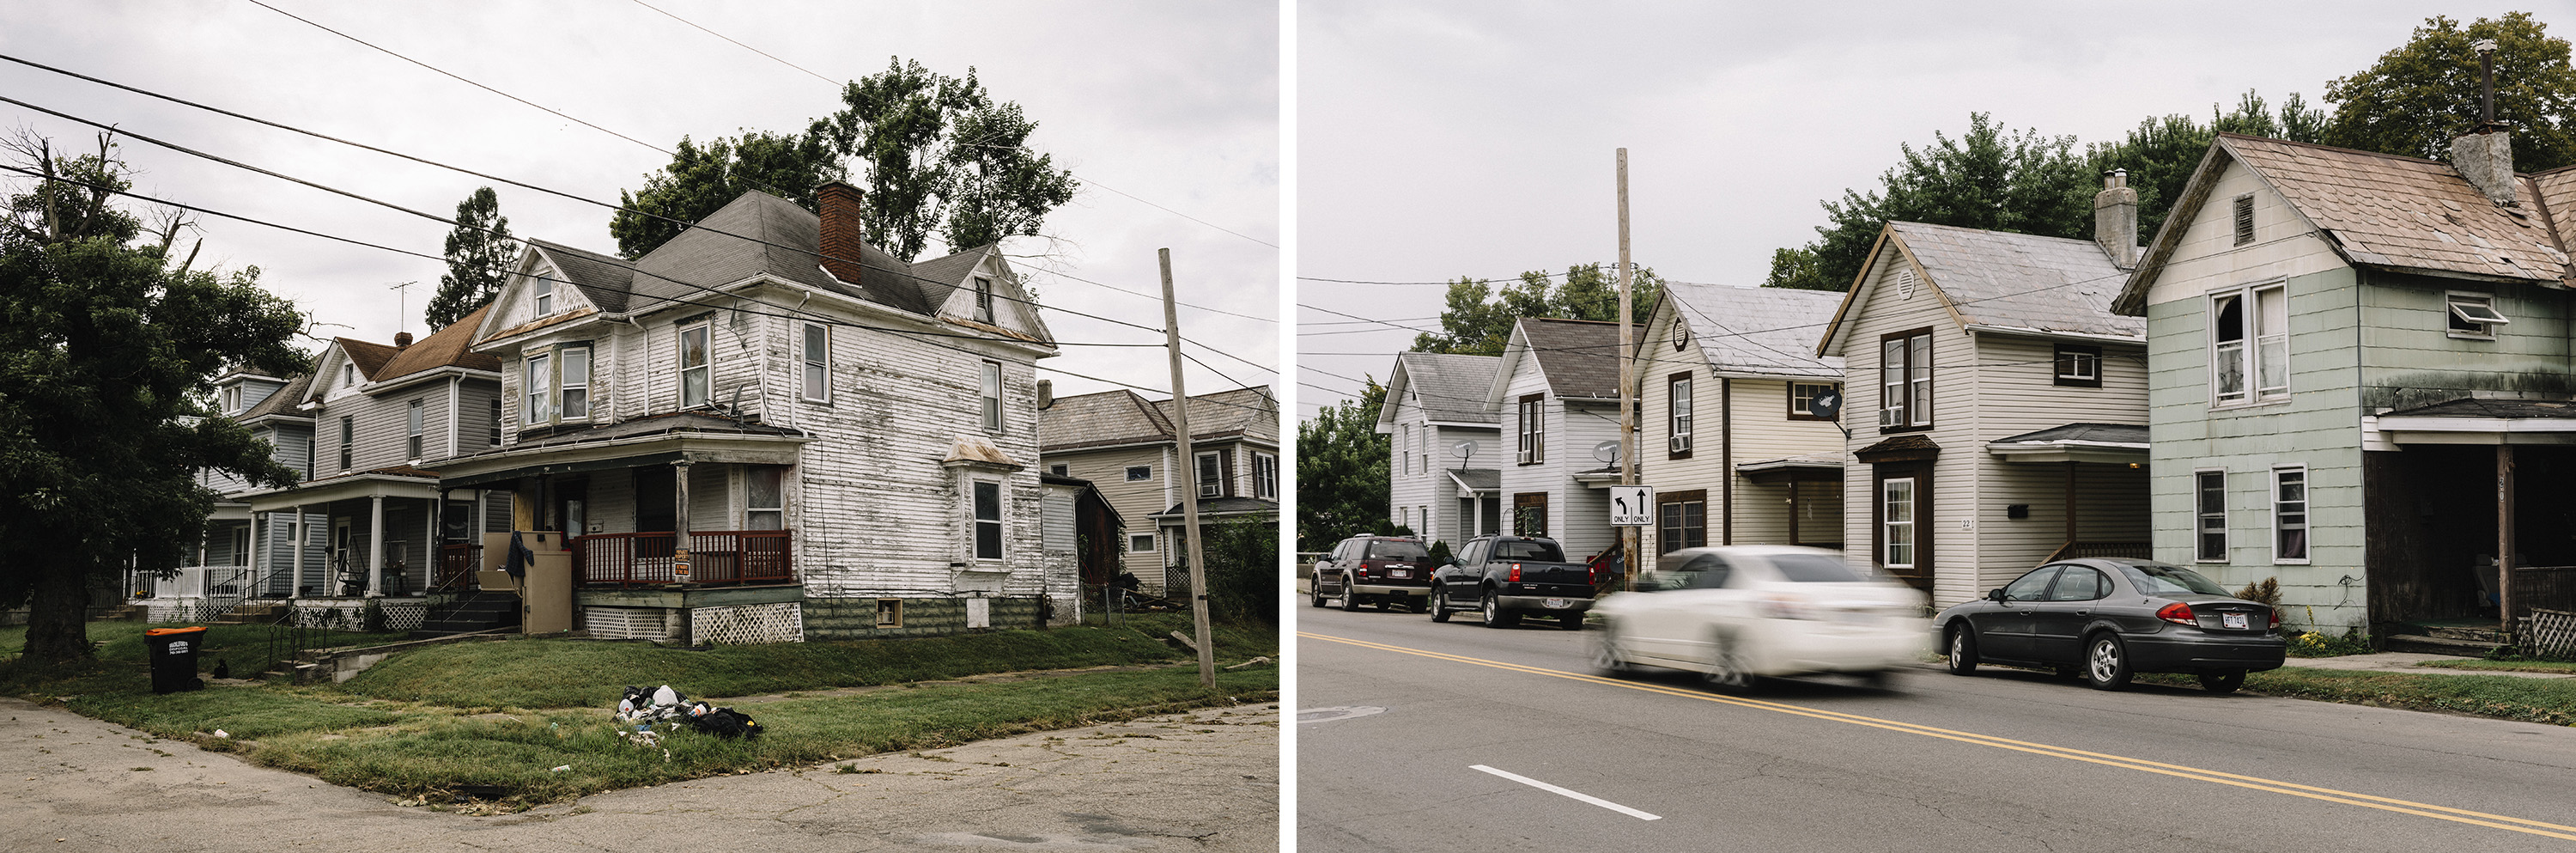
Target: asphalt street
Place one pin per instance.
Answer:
(1207, 780)
(1435, 737)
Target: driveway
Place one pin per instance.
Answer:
(1204, 780)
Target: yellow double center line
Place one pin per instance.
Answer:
(2257, 783)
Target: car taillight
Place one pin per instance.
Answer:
(1364, 568)
(2276, 617)
(2177, 613)
(1515, 576)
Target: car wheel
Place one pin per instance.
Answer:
(2222, 682)
(1570, 621)
(1492, 607)
(1963, 650)
(1605, 652)
(1726, 668)
(1439, 605)
(1315, 593)
(2106, 662)
(1350, 599)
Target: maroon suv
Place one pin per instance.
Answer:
(1381, 570)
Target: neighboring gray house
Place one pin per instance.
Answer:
(1997, 406)
(1556, 397)
(849, 440)
(1126, 446)
(1443, 479)
(1726, 380)
(2362, 379)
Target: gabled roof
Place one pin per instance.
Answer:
(1763, 331)
(1578, 358)
(447, 348)
(369, 356)
(787, 239)
(1245, 412)
(1105, 419)
(1999, 280)
(1450, 388)
(2382, 211)
(605, 280)
(281, 402)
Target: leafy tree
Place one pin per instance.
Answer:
(941, 155)
(2416, 98)
(1242, 571)
(1341, 472)
(1990, 178)
(701, 179)
(2160, 154)
(478, 253)
(1478, 320)
(104, 366)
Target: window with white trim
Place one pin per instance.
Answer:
(1211, 474)
(1405, 452)
(1140, 543)
(538, 383)
(2290, 514)
(991, 395)
(987, 520)
(494, 438)
(1802, 399)
(575, 383)
(1136, 473)
(2472, 316)
(1905, 380)
(764, 498)
(818, 363)
(1896, 522)
(1677, 415)
(232, 400)
(696, 371)
(543, 285)
(2209, 497)
(348, 440)
(2249, 349)
(1265, 476)
(1532, 430)
(2079, 366)
(414, 433)
(1060, 469)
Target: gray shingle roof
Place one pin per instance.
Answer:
(2090, 434)
(2021, 281)
(787, 239)
(282, 401)
(1096, 420)
(1769, 331)
(1451, 388)
(1485, 479)
(2478, 408)
(1579, 357)
(602, 279)
(1249, 412)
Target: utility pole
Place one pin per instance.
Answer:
(1627, 382)
(1189, 481)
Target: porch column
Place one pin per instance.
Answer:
(1793, 508)
(2070, 504)
(251, 566)
(295, 576)
(680, 522)
(375, 546)
(2504, 540)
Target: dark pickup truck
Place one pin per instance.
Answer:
(1507, 577)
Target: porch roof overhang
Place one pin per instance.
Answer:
(2115, 444)
(755, 446)
(1476, 482)
(1598, 478)
(2474, 421)
(401, 481)
(1234, 507)
(1805, 468)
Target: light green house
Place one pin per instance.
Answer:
(2354, 360)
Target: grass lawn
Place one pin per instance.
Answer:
(494, 718)
(2504, 697)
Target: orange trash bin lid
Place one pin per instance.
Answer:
(162, 632)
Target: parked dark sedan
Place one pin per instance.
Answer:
(2109, 619)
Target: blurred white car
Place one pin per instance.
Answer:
(1739, 614)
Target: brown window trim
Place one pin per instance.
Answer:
(1791, 400)
(1529, 500)
(1693, 394)
(1922, 473)
(1698, 496)
(1934, 384)
(1537, 439)
(2058, 373)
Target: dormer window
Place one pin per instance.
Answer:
(983, 300)
(545, 291)
(232, 400)
(348, 375)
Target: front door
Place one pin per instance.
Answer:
(340, 558)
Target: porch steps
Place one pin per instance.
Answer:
(472, 612)
(2463, 640)
(263, 613)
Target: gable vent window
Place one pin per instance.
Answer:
(2473, 315)
(1905, 281)
(2244, 219)
(983, 300)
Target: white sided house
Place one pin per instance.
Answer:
(845, 442)
(1128, 448)
(1998, 406)
(1730, 440)
(1556, 394)
(1443, 478)
(2363, 381)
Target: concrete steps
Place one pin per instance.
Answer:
(258, 613)
(474, 612)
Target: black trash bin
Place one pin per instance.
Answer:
(174, 658)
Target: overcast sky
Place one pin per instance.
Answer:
(1174, 103)
(1440, 139)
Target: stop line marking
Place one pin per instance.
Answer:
(1569, 793)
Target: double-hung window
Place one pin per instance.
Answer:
(1905, 380)
(2249, 345)
(696, 375)
(1533, 430)
(1896, 522)
(1211, 474)
(1265, 476)
(983, 300)
(991, 394)
(348, 441)
(494, 439)
(988, 520)
(576, 383)
(2209, 498)
(2290, 514)
(764, 500)
(543, 285)
(1677, 418)
(414, 432)
(818, 363)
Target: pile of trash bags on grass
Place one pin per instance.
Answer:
(643, 708)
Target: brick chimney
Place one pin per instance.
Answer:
(402, 340)
(841, 232)
(2485, 155)
(2115, 219)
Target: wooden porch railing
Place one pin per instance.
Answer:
(457, 563)
(715, 557)
(2122, 550)
(2541, 588)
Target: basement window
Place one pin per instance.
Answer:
(889, 613)
(2473, 315)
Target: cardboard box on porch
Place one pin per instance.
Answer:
(545, 597)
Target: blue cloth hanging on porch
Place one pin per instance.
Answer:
(517, 563)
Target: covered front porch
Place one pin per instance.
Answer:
(2091, 478)
(1794, 500)
(2448, 489)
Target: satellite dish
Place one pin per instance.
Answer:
(1607, 451)
(1463, 450)
(1826, 405)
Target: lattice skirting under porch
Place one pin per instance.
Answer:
(2549, 633)
(401, 614)
(749, 624)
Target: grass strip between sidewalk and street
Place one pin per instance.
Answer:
(2504, 697)
(491, 720)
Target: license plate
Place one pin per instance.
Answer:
(2233, 620)
(1555, 603)
(1400, 573)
